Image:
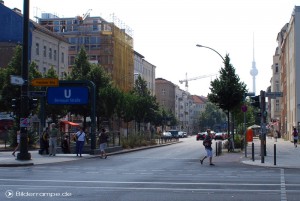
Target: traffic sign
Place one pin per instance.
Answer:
(273, 94)
(36, 93)
(45, 82)
(244, 108)
(67, 95)
(16, 80)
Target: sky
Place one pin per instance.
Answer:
(166, 32)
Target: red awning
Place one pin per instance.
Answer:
(70, 123)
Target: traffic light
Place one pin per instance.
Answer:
(33, 103)
(255, 102)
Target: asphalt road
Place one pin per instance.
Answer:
(169, 173)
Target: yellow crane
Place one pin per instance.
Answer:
(186, 80)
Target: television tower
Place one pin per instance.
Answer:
(253, 71)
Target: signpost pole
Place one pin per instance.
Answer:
(24, 155)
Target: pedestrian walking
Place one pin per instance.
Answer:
(65, 145)
(53, 134)
(18, 142)
(207, 144)
(80, 138)
(295, 136)
(45, 141)
(103, 139)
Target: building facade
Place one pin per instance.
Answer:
(146, 70)
(105, 43)
(288, 41)
(45, 48)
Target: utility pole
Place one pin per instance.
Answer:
(24, 154)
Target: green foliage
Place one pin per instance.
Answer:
(227, 91)
(136, 140)
(211, 116)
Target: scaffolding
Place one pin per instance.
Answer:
(106, 44)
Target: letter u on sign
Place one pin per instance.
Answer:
(67, 93)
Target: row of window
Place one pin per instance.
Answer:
(52, 54)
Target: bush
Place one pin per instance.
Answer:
(136, 140)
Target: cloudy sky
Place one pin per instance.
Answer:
(166, 33)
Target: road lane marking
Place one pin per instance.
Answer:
(282, 184)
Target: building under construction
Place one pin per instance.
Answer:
(106, 44)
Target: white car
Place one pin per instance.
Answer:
(167, 135)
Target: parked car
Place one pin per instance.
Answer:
(174, 133)
(182, 134)
(219, 136)
(201, 136)
(167, 135)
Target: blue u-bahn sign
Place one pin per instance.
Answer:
(67, 95)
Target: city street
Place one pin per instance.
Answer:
(170, 173)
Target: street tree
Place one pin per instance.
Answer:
(227, 91)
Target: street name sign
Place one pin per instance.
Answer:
(45, 82)
(273, 94)
(16, 80)
(67, 95)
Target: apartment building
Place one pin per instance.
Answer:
(288, 41)
(108, 44)
(45, 48)
(146, 70)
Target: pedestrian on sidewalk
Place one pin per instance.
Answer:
(207, 144)
(53, 139)
(45, 141)
(80, 138)
(18, 142)
(103, 139)
(65, 145)
(295, 135)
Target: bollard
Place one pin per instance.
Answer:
(216, 148)
(274, 154)
(253, 151)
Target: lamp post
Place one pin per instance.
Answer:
(212, 50)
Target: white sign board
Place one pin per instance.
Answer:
(16, 80)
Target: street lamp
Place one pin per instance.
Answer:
(212, 50)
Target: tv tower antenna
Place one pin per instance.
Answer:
(253, 71)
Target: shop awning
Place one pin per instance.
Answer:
(70, 123)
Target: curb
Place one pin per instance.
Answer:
(20, 164)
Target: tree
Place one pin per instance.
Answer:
(211, 117)
(80, 72)
(145, 103)
(227, 91)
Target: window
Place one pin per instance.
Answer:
(37, 49)
(50, 53)
(277, 105)
(276, 68)
(277, 85)
(45, 51)
(163, 92)
(54, 55)
(62, 57)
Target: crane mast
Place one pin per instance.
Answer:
(186, 80)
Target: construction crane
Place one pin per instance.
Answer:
(186, 80)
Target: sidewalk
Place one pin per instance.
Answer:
(8, 160)
(287, 156)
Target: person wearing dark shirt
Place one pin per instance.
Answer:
(103, 139)
(207, 144)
